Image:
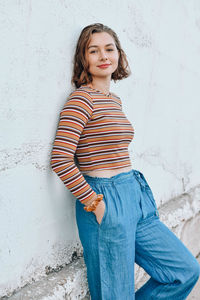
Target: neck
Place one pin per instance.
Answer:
(101, 85)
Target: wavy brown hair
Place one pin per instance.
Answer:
(81, 74)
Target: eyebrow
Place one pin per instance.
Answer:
(111, 44)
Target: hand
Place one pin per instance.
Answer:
(99, 211)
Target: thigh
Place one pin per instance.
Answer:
(161, 254)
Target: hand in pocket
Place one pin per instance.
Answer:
(99, 211)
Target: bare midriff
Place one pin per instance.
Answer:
(107, 173)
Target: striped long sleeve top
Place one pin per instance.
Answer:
(94, 129)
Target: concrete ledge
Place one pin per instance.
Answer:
(69, 283)
(181, 215)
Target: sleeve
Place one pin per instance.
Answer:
(74, 116)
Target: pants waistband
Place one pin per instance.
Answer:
(124, 176)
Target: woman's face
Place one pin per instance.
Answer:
(102, 55)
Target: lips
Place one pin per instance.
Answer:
(104, 66)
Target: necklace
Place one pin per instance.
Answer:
(107, 95)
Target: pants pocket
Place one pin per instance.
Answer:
(104, 215)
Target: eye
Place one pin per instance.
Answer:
(110, 50)
(93, 51)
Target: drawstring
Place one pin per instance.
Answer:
(144, 187)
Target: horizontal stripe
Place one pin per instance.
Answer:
(93, 127)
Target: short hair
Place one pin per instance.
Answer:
(81, 74)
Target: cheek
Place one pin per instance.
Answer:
(91, 62)
(116, 60)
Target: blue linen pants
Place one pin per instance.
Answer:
(131, 231)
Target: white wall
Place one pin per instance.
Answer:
(161, 98)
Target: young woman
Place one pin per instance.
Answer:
(116, 212)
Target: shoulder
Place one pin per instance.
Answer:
(117, 98)
(79, 100)
(115, 95)
(78, 96)
(82, 93)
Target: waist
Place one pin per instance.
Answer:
(107, 173)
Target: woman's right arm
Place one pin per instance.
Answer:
(74, 116)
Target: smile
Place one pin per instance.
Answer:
(104, 66)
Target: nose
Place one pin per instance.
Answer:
(103, 55)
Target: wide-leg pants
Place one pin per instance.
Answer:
(131, 231)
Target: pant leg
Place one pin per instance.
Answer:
(173, 269)
(109, 247)
(88, 234)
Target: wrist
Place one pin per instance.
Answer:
(91, 200)
(94, 204)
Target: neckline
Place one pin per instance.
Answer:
(107, 95)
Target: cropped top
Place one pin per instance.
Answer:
(93, 129)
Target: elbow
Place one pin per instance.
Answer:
(51, 163)
(59, 162)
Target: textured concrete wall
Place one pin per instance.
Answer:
(161, 99)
